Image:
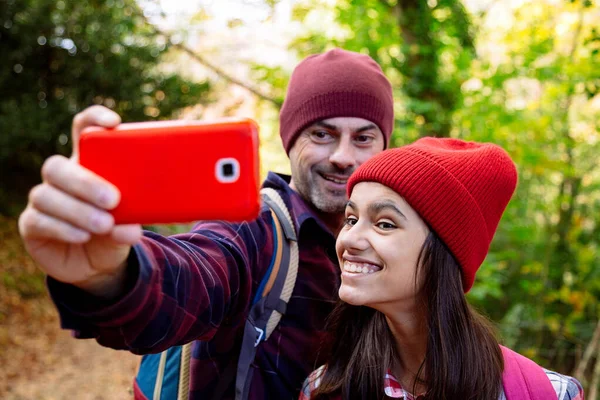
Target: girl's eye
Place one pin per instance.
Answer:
(386, 225)
(350, 221)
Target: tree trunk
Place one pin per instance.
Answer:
(579, 372)
(421, 65)
(595, 379)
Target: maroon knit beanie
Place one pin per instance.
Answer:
(337, 83)
(459, 188)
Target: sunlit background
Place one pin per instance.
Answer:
(524, 74)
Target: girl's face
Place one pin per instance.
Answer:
(378, 249)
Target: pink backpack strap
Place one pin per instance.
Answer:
(523, 379)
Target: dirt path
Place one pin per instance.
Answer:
(38, 360)
(46, 363)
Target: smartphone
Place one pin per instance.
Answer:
(178, 171)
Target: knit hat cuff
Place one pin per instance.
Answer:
(336, 104)
(441, 200)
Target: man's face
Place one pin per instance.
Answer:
(326, 153)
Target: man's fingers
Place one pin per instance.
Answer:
(80, 182)
(92, 116)
(127, 234)
(36, 225)
(57, 204)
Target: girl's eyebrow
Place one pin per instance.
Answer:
(380, 206)
(386, 204)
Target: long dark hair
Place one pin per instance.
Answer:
(462, 361)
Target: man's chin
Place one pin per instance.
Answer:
(329, 204)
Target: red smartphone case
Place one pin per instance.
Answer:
(178, 171)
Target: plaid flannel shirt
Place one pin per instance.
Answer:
(198, 287)
(566, 387)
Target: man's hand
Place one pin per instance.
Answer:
(66, 226)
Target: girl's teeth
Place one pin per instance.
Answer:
(350, 267)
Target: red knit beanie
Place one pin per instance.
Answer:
(459, 188)
(337, 83)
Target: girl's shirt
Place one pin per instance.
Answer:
(566, 387)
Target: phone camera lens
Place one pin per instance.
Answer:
(227, 170)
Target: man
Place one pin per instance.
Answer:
(142, 292)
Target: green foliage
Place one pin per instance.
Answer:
(59, 57)
(425, 48)
(527, 79)
(533, 98)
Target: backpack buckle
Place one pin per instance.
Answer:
(261, 334)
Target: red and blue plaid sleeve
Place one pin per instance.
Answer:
(186, 286)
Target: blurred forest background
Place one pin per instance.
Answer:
(524, 74)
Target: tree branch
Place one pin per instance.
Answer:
(224, 74)
(211, 66)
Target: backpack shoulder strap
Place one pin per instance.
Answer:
(268, 306)
(271, 301)
(289, 254)
(523, 377)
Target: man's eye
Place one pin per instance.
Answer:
(364, 139)
(321, 134)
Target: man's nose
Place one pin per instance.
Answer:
(343, 156)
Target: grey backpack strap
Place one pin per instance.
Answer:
(266, 313)
(227, 377)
